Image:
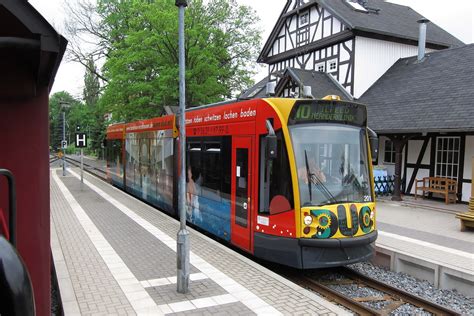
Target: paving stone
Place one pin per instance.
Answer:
(166, 294)
(81, 257)
(221, 310)
(146, 261)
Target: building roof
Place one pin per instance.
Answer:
(391, 19)
(321, 83)
(28, 39)
(433, 95)
(256, 91)
(383, 20)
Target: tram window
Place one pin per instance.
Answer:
(209, 159)
(279, 184)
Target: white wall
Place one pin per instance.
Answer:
(374, 57)
(414, 148)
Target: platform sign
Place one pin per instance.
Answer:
(64, 144)
(81, 140)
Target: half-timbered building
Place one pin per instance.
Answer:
(354, 41)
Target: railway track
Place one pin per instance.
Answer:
(331, 284)
(101, 174)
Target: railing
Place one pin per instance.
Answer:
(384, 185)
(11, 203)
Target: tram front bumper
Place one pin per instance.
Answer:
(314, 253)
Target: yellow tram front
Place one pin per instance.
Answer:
(330, 160)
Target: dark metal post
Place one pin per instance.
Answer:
(183, 234)
(399, 143)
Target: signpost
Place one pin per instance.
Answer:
(81, 142)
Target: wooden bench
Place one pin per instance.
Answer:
(440, 185)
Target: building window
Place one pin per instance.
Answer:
(320, 67)
(332, 65)
(389, 155)
(302, 36)
(447, 157)
(304, 18)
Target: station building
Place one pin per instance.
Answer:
(353, 48)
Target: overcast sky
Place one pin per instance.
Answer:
(455, 16)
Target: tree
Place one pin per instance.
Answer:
(139, 41)
(91, 90)
(56, 109)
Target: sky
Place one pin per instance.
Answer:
(455, 16)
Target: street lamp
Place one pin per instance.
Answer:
(183, 235)
(64, 105)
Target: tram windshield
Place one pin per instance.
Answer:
(332, 164)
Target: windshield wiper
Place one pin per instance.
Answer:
(313, 178)
(308, 175)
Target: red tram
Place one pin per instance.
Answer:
(287, 180)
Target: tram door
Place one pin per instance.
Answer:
(241, 199)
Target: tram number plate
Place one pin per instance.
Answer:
(262, 220)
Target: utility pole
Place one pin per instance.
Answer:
(183, 235)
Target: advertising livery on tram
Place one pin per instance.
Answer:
(288, 180)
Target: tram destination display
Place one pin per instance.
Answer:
(328, 111)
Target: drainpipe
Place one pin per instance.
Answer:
(422, 39)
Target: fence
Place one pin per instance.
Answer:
(384, 185)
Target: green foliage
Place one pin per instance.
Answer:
(91, 85)
(142, 64)
(62, 102)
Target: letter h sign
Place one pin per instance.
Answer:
(81, 140)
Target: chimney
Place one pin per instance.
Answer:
(307, 92)
(270, 89)
(422, 39)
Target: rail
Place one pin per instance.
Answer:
(394, 297)
(99, 173)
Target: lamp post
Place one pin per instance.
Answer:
(183, 235)
(64, 106)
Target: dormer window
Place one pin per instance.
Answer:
(354, 4)
(304, 18)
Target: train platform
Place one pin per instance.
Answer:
(423, 239)
(116, 255)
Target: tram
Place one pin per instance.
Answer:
(287, 180)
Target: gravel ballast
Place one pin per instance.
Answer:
(448, 298)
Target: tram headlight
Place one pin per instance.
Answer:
(372, 214)
(308, 220)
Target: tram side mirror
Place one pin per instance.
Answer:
(374, 144)
(270, 140)
(271, 145)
